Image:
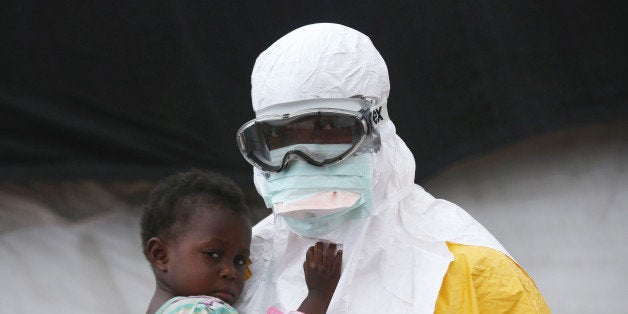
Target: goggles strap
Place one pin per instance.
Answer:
(378, 113)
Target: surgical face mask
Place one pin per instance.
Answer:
(314, 121)
(314, 200)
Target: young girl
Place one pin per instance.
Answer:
(196, 235)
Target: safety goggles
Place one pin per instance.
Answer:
(315, 131)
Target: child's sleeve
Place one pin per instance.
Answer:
(196, 305)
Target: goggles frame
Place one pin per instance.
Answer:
(367, 114)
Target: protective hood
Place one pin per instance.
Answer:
(333, 61)
(319, 61)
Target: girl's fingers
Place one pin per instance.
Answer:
(328, 260)
(336, 267)
(318, 253)
(325, 259)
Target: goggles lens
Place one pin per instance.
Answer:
(324, 128)
(270, 144)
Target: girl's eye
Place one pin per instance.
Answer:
(241, 261)
(213, 254)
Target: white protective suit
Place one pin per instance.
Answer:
(398, 256)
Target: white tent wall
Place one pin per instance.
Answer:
(557, 202)
(73, 248)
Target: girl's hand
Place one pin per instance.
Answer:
(322, 271)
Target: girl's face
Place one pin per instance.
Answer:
(209, 257)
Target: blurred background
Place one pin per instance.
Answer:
(516, 111)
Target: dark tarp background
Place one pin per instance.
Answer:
(135, 89)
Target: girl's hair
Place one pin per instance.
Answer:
(177, 197)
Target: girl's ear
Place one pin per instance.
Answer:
(157, 253)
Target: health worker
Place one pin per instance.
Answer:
(328, 162)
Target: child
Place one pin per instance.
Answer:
(196, 235)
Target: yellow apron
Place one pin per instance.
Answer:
(485, 280)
